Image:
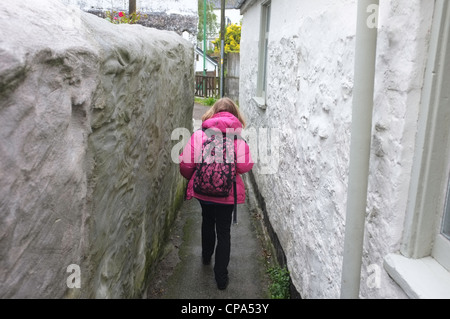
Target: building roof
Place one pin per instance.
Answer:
(229, 4)
(200, 51)
(239, 3)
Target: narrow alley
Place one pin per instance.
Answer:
(344, 106)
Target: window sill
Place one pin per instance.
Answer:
(421, 278)
(260, 102)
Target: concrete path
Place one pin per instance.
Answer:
(185, 277)
(199, 110)
(182, 275)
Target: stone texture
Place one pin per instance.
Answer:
(171, 22)
(310, 84)
(163, 21)
(185, 7)
(86, 114)
(171, 15)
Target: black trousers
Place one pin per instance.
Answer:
(217, 222)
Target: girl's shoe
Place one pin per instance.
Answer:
(222, 284)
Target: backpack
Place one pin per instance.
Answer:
(215, 175)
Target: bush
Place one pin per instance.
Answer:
(118, 17)
(210, 101)
(232, 40)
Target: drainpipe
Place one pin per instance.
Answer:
(222, 41)
(364, 78)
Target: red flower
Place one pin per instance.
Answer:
(121, 14)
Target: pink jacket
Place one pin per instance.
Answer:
(220, 121)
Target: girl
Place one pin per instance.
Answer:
(217, 211)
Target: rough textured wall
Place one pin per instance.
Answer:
(86, 113)
(402, 54)
(310, 87)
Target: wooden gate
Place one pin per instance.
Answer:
(211, 84)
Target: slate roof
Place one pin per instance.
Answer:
(239, 3)
(229, 4)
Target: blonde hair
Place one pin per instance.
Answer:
(225, 104)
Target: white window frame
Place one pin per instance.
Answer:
(261, 86)
(446, 217)
(422, 268)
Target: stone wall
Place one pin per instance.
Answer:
(171, 15)
(185, 7)
(86, 114)
(310, 87)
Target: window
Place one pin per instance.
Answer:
(263, 54)
(425, 247)
(441, 245)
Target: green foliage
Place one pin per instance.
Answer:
(206, 101)
(280, 280)
(118, 17)
(210, 101)
(211, 20)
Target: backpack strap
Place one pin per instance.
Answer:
(235, 189)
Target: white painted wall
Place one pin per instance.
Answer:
(310, 83)
(199, 64)
(96, 98)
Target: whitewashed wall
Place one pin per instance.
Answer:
(86, 176)
(310, 84)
